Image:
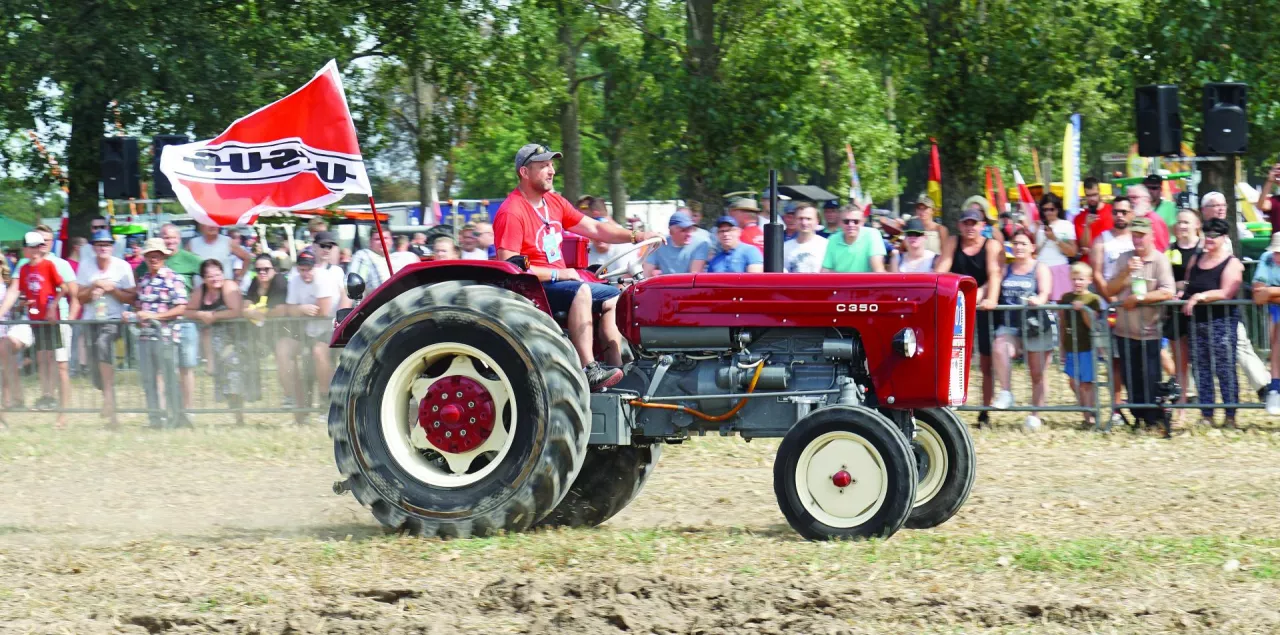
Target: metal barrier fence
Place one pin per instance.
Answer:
(281, 366)
(228, 368)
(1228, 342)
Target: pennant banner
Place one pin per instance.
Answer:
(1024, 195)
(935, 177)
(298, 153)
(1071, 167)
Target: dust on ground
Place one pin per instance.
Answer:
(235, 530)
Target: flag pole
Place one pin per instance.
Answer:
(386, 253)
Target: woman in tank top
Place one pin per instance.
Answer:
(1215, 276)
(1183, 253)
(970, 254)
(1056, 244)
(1025, 283)
(218, 300)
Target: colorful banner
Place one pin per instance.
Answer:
(935, 176)
(298, 153)
(1027, 201)
(1071, 167)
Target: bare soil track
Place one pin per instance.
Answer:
(234, 530)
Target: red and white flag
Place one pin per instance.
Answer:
(1024, 195)
(298, 153)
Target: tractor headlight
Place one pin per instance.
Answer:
(904, 343)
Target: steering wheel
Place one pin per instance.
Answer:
(643, 247)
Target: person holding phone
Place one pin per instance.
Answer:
(1268, 200)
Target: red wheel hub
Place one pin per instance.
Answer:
(841, 479)
(457, 414)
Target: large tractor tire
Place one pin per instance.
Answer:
(947, 465)
(845, 472)
(459, 410)
(610, 479)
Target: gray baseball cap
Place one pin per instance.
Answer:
(534, 152)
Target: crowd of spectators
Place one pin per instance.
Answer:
(1115, 261)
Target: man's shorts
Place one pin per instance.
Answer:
(560, 294)
(48, 336)
(102, 342)
(63, 354)
(982, 334)
(1079, 366)
(188, 345)
(1275, 313)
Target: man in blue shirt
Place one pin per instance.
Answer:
(734, 255)
(684, 253)
(1266, 291)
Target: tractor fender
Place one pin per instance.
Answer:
(488, 272)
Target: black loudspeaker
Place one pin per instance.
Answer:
(162, 187)
(1226, 124)
(120, 177)
(1158, 122)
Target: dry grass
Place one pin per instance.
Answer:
(234, 530)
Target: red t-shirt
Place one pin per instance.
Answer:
(39, 283)
(1102, 224)
(754, 236)
(535, 234)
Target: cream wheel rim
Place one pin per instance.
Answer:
(939, 463)
(406, 439)
(835, 506)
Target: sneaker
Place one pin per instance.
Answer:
(984, 420)
(1003, 400)
(1273, 403)
(1263, 392)
(600, 376)
(1032, 424)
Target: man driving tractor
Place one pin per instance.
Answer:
(531, 222)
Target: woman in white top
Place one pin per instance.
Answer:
(916, 258)
(1056, 242)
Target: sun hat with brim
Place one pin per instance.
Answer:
(155, 244)
(744, 204)
(926, 200)
(1141, 225)
(1275, 242)
(102, 236)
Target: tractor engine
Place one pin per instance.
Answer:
(682, 372)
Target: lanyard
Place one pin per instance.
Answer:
(546, 221)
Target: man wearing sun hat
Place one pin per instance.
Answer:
(162, 298)
(746, 213)
(105, 285)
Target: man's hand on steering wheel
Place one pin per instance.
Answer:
(645, 242)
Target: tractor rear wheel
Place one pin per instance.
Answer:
(947, 465)
(611, 477)
(844, 472)
(459, 410)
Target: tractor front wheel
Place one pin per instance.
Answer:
(844, 472)
(947, 465)
(459, 410)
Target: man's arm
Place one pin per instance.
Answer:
(1099, 282)
(543, 273)
(234, 300)
(1118, 282)
(942, 263)
(877, 263)
(756, 268)
(608, 232)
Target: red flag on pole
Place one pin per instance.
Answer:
(1002, 197)
(1025, 198)
(935, 176)
(298, 153)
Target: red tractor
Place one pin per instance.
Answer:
(459, 408)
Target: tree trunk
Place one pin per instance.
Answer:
(614, 135)
(424, 103)
(84, 154)
(959, 181)
(570, 135)
(702, 63)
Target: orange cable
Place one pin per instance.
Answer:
(702, 415)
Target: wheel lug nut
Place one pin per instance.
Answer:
(473, 419)
(462, 433)
(471, 404)
(448, 434)
(435, 408)
(459, 394)
(436, 424)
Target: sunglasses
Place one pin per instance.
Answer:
(98, 227)
(262, 269)
(327, 245)
(1213, 236)
(852, 221)
(536, 152)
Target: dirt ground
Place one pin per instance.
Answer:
(235, 530)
